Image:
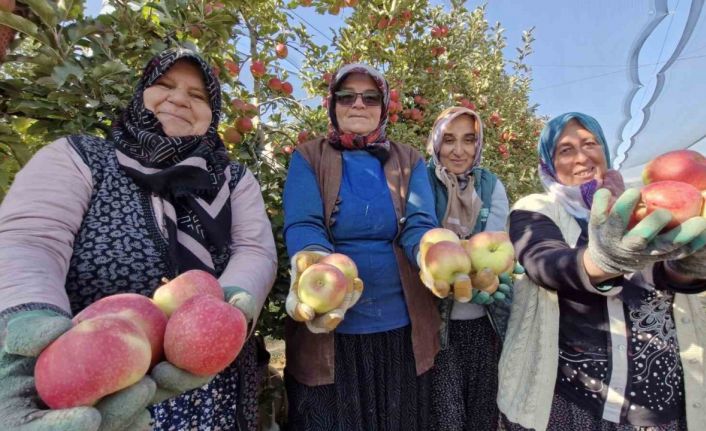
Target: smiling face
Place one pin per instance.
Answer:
(578, 157)
(358, 118)
(458, 144)
(179, 100)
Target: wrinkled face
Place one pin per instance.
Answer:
(578, 157)
(358, 118)
(180, 101)
(458, 144)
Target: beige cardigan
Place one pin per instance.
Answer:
(530, 355)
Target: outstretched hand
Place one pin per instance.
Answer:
(616, 250)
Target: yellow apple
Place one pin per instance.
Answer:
(322, 287)
(491, 250)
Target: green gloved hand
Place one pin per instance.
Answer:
(694, 265)
(618, 251)
(23, 336)
(172, 381)
(242, 300)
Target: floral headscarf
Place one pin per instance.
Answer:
(576, 200)
(376, 141)
(190, 173)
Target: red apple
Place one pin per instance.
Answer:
(496, 119)
(681, 199)
(281, 50)
(302, 136)
(687, 166)
(305, 2)
(394, 95)
(491, 250)
(327, 77)
(351, 3)
(322, 287)
(95, 358)
(174, 293)
(383, 23)
(137, 309)
(232, 136)
(238, 105)
(243, 124)
(232, 67)
(274, 84)
(287, 88)
(257, 68)
(394, 118)
(288, 149)
(249, 110)
(204, 335)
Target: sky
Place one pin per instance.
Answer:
(602, 57)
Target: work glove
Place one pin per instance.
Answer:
(461, 285)
(301, 312)
(173, 381)
(23, 336)
(693, 265)
(616, 250)
(242, 300)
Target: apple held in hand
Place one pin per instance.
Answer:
(322, 287)
(491, 250)
(432, 236)
(344, 264)
(686, 166)
(681, 199)
(448, 264)
(95, 358)
(175, 292)
(204, 335)
(135, 308)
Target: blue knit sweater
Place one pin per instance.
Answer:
(364, 228)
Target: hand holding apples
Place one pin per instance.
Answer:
(444, 265)
(25, 336)
(324, 286)
(492, 256)
(615, 249)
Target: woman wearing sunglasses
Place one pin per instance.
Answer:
(363, 366)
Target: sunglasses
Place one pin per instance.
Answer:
(348, 98)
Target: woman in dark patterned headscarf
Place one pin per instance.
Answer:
(90, 217)
(363, 365)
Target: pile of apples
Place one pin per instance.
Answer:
(323, 285)
(675, 181)
(116, 340)
(464, 264)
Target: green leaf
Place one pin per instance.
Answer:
(45, 10)
(62, 72)
(18, 23)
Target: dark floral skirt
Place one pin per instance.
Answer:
(227, 403)
(567, 416)
(376, 388)
(464, 379)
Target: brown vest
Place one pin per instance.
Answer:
(310, 357)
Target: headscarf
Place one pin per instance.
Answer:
(577, 199)
(376, 141)
(464, 204)
(190, 173)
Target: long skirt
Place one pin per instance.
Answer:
(376, 388)
(227, 403)
(465, 378)
(567, 416)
